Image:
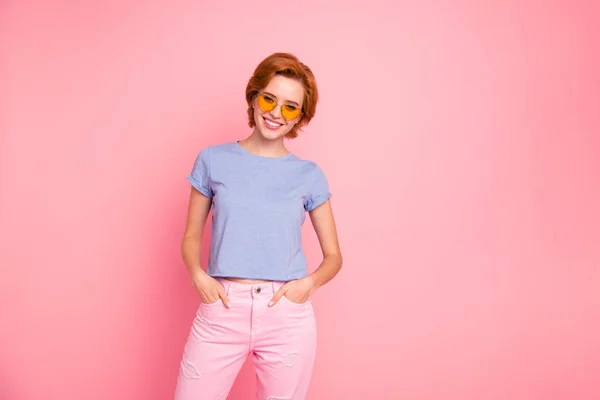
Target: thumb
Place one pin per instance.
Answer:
(224, 297)
(278, 295)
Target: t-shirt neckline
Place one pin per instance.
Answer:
(237, 145)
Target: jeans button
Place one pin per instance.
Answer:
(257, 290)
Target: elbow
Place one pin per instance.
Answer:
(336, 259)
(190, 241)
(191, 237)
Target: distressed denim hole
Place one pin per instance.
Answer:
(189, 370)
(289, 359)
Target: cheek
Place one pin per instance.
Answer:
(289, 125)
(257, 116)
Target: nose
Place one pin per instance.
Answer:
(276, 112)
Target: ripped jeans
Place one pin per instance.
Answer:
(280, 339)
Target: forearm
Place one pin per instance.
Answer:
(191, 253)
(329, 268)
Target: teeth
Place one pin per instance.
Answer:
(270, 123)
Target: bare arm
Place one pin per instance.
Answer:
(209, 289)
(324, 224)
(299, 290)
(191, 245)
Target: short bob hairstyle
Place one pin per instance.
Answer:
(288, 65)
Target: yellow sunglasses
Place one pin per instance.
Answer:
(268, 103)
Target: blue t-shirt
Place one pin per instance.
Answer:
(258, 207)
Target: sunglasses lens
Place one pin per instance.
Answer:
(266, 103)
(290, 112)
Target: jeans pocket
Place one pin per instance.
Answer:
(300, 305)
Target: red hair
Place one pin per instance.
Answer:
(287, 65)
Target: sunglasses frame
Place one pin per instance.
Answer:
(277, 104)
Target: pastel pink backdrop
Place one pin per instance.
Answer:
(461, 140)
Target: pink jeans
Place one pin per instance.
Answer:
(281, 340)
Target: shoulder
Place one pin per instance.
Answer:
(226, 147)
(214, 151)
(218, 148)
(308, 166)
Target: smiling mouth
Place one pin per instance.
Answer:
(271, 124)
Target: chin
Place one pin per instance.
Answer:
(271, 136)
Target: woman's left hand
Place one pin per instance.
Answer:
(296, 291)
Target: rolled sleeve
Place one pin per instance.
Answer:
(199, 177)
(318, 191)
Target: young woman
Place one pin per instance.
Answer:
(255, 293)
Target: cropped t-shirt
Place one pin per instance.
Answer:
(258, 207)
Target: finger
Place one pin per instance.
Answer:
(278, 295)
(209, 300)
(224, 298)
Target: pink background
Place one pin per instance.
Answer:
(461, 140)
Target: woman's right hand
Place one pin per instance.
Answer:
(210, 289)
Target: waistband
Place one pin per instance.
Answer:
(250, 289)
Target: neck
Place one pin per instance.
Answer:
(257, 144)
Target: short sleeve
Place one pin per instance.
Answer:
(200, 175)
(318, 190)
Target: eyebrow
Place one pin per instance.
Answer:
(289, 101)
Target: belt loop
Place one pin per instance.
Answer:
(274, 286)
